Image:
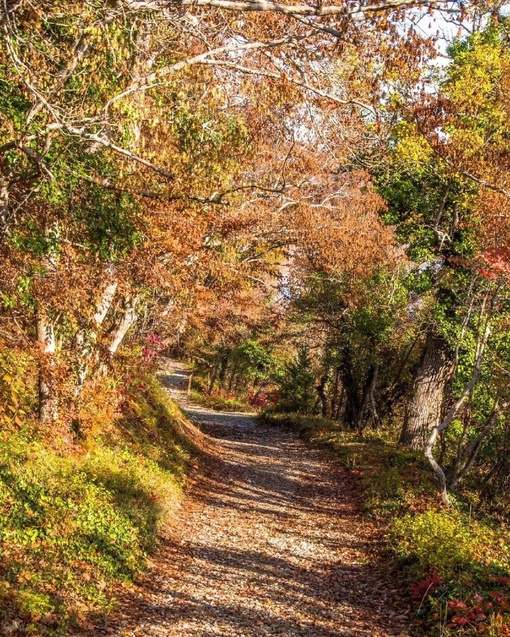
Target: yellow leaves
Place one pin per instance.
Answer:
(412, 147)
(475, 82)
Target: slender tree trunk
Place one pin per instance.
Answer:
(212, 382)
(425, 408)
(48, 399)
(454, 409)
(340, 404)
(334, 395)
(224, 360)
(368, 389)
(376, 421)
(4, 200)
(352, 400)
(48, 403)
(231, 384)
(322, 395)
(470, 453)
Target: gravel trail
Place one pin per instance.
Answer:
(269, 541)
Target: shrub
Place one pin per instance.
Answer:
(448, 544)
(72, 526)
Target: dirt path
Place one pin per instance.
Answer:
(269, 541)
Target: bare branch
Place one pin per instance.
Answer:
(153, 79)
(309, 10)
(296, 82)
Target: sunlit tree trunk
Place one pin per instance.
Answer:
(425, 407)
(127, 320)
(45, 329)
(48, 404)
(4, 204)
(86, 341)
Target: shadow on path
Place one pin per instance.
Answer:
(270, 541)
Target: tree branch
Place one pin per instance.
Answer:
(308, 10)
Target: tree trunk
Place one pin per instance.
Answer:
(470, 452)
(86, 341)
(48, 405)
(334, 403)
(321, 391)
(424, 410)
(457, 405)
(117, 335)
(128, 319)
(366, 396)
(340, 405)
(350, 387)
(224, 360)
(212, 382)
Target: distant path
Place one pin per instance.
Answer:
(269, 541)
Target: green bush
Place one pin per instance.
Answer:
(72, 526)
(449, 544)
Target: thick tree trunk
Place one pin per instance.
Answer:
(425, 408)
(48, 405)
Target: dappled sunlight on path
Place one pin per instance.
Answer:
(269, 541)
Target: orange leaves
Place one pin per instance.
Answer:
(339, 229)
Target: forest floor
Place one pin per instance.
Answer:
(270, 540)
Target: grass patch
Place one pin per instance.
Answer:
(72, 526)
(220, 402)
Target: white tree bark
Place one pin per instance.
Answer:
(85, 342)
(48, 405)
(128, 319)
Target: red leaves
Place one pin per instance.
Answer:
(426, 587)
(497, 264)
(475, 611)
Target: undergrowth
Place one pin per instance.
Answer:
(456, 567)
(220, 400)
(75, 524)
